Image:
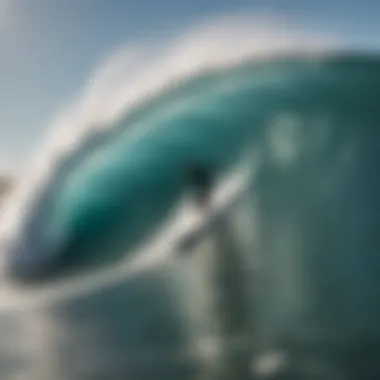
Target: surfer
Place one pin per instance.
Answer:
(201, 181)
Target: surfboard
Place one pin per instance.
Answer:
(213, 219)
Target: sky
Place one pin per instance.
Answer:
(49, 48)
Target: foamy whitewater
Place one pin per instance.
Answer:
(285, 120)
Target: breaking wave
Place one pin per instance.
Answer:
(299, 115)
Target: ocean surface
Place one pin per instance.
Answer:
(305, 295)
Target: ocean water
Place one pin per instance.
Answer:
(306, 130)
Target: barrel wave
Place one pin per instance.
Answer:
(311, 127)
(123, 182)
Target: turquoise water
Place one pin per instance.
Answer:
(313, 125)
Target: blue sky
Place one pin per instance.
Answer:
(48, 48)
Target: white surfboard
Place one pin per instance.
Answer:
(212, 220)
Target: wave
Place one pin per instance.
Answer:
(176, 75)
(141, 74)
(113, 186)
(306, 127)
(305, 119)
